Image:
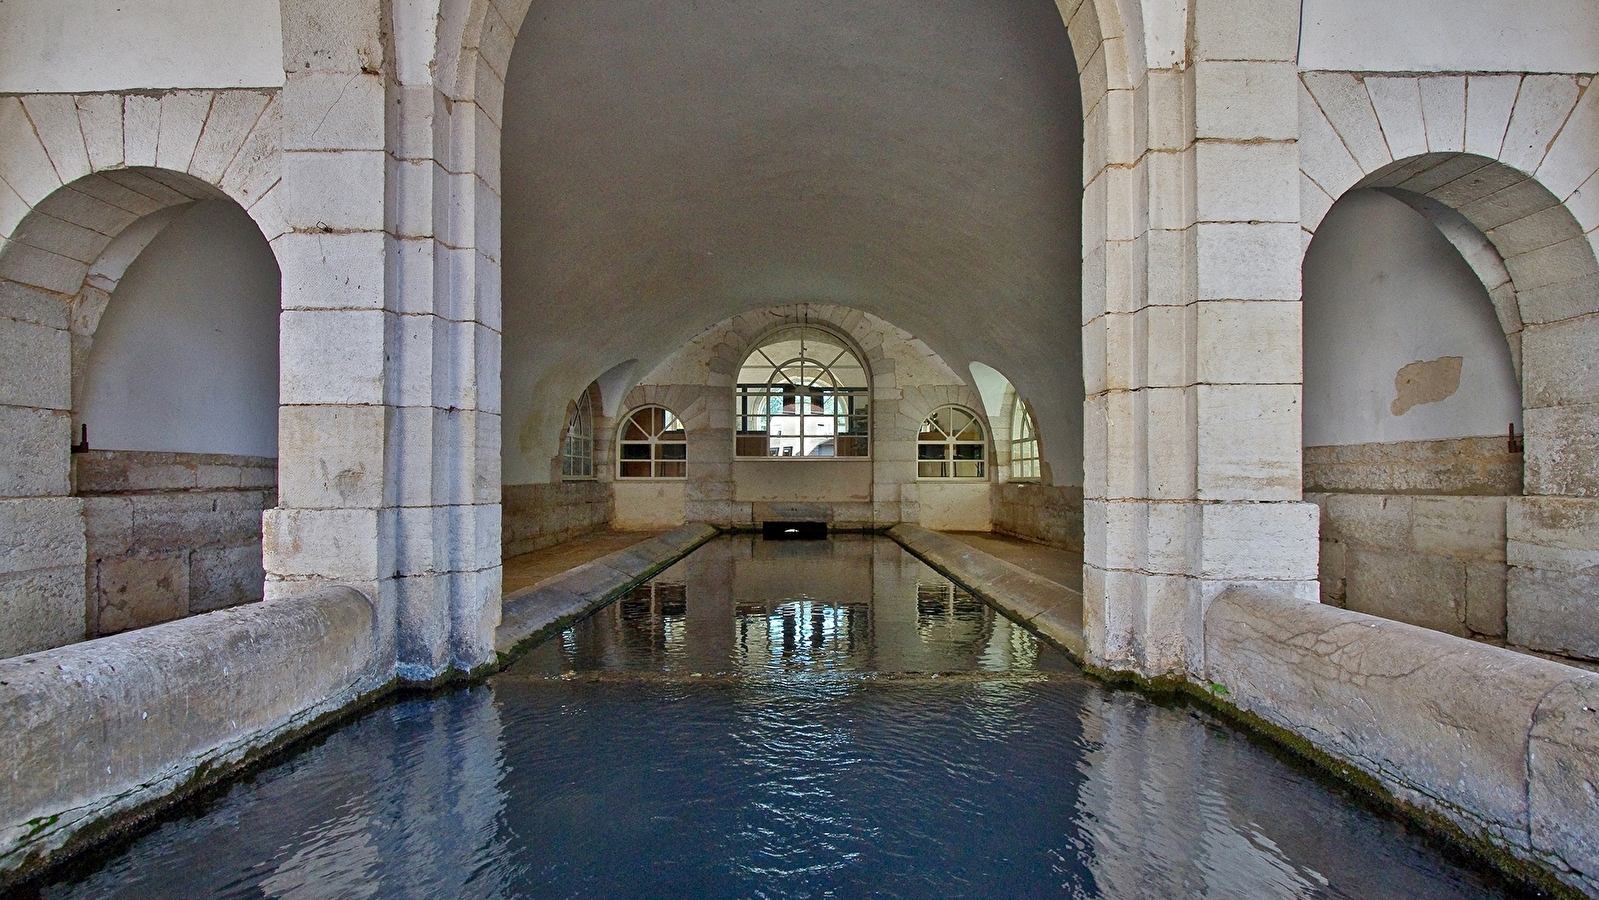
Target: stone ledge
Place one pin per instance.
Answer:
(533, 613)
(1498, 760)
(1044, 607)
(110, 730)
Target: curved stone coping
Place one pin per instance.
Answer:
(103, 730)
(533, 613)
(1504, 745)
(1050, 609)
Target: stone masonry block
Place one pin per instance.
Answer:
(323, 37)
(100, 118)
(329, 190)
(1246, 182)
(1322, 154)
(1463, 527)
(1424, 590)
(24, 163)
(1343, 98)
(35, 366)
(183, 115)
(1246, 29)
(332, 357)
(1559, 456)
(1485, 598)
(224, 577)
(331, 271)
(1570, 161)
(1553, 611)
(1489, 101)
(1249, 447)
(1559, 366)
(1172, 449)
(55, 117)
(33, 457)
(332, 456)
(324, 110)
(1246, 101)
(1443, 106)
(258, 164)
(1542, 106)
(40, 609)
(1248, 342)
(140, 590)
(1238, 261)
(1555, 533)
(232, 117)
(336, 544)
(141, 129)
(41, 533)
(1397, 100)
(1259, 541)
(1372, 520)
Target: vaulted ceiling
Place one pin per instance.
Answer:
(669, 164)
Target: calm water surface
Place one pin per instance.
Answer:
(792, 720)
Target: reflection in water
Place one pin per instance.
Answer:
(784, 720)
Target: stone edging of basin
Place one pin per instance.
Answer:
(532, 614)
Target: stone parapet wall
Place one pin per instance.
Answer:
(1477, 465)
(1048, 514)
(170, 534)
(104, 729)
(1509, 761)
(1433, 561)
(543, 515)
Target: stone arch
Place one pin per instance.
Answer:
(1505, 167)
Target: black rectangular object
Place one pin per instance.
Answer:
(794, 531)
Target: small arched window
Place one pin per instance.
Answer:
(577, 445)
(653, 445)
(802, 393)
(1023, 445)
(951, 445)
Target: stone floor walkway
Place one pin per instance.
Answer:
(1064, 567)
(529, 569)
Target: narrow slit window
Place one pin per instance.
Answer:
(577, 445)
(653, 445)
(1023, 445)
(952, 444)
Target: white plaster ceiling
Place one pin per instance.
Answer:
(668, 165)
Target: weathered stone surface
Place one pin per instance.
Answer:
(40, 533)
(225, 577)
(1553, 611)
(1387, 697)
(1048, 514)
(1053, 610)
(41, 608)
(106, 726)
(1424, 590)
(543, 515)
(1563, 780)
(139, 590)
(1481, 465)
(123, 471)
(556, 601)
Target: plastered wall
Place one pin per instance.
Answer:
(1449, 36)
(185, 358)
(73, 46)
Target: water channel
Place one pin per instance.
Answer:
(783, 720)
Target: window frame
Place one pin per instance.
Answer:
(835, 403)
(582, 417)
(653, 442)
(950, 460)
(1023, 431)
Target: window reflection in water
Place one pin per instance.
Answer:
(801, 634)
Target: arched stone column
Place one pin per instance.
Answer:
(1193, 363)
(1506, 166)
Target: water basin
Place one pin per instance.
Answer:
(783, 719)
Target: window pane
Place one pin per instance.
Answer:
(671, 451)
(850, 446)
(635, 451)
(969, 451)
(670, 470)
(751, 445)
(633, 432)
(964, 469)
(632, 469)
(931, 451)
(930, 470)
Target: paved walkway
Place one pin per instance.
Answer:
(1064, 567)
(531, 568)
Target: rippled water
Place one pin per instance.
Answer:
(784, 720)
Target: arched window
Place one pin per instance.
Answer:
(951, 445)
(577, 447)
(653, 445)
(1023, 445)
(802, 393)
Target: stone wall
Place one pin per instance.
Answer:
(1473, 465)
(170, 534)
(1046, 513)
(543, 515)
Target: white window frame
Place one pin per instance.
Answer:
(950, 443)
(1024, 466)
(753, 403)
(655, 452)
(577, 442)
